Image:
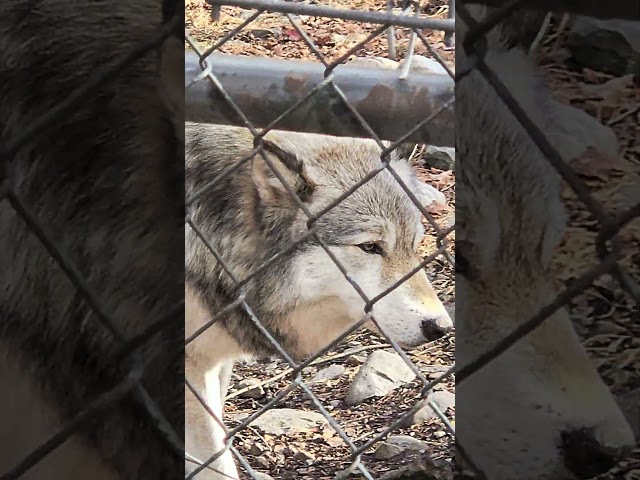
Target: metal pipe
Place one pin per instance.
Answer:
(408, 21)
(265, 88)
(621, 9)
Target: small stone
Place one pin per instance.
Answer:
(611, 46)
(330, 373)
(265, 33)
(442, 158)
(283, 421)
(398, 444)
(426, 64)
(379, 375)
(442, 399)
(303, 456)
(263, 462)
(439, 434)
(262, 476)
(257, 449)
(256, 392)
(355, 360)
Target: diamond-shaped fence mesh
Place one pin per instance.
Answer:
(333, 96)
(326, 93)
(393, 107)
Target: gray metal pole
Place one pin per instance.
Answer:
(265, 88)
(408, 21)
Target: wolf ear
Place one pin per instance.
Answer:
(290, 167)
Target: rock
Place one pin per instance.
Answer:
(263, 462)
(355, 360)
(257, 449)
(425, 64)
(380, 374)
(261, 476)
(435, 371)
(451, 309)
(427, 194)
(303, 456)
(442, 158)
(256, 392)
(422, 468)
(443, 401)
(282, 421)
(374, 62)
(330, 373)
(630, 406)
(610, 46)
(398, 444)
(575, 131)
(449, 221)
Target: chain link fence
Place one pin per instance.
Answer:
(608, 246)
(213, 97)
(399, 127)
(337, 98)
(11, 186)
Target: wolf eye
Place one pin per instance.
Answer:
(371, 247)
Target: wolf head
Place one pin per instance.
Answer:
(539, 411)
(374, 234)
(304, 297)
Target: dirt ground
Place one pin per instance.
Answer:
(608, 320)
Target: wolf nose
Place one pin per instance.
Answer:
(434, 329)
(584, 456)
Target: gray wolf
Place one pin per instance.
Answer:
(107, 181)
(540, 411)
(302, 298)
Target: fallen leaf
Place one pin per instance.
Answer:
(596, 164)
(292, 33)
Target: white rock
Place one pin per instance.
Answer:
(380, 374)
(399, 444)
(282, 421)
(442, 399)
(330, 373)
(256, 391)
(575, 131)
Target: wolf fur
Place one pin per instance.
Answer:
(303, 299)
(517, 415)
(107, 181)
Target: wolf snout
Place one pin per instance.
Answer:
(436, 328)
(584, 456)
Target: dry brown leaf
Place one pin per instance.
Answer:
(596, 164)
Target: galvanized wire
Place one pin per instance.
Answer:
(208, 74)
(610, 226)
(130, 383)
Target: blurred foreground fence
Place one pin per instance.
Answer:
(396, 105)
(424, 113)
